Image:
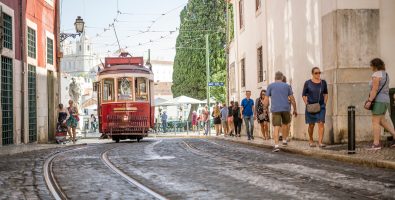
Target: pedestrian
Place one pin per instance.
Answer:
(230, 118)
(237, 119)
(379, 101)
(262, 113)
(206, 120)
(63, 114)
(163, 118)
(315, 96)
(247, 112)
(280, 93)
(194, 121)
(73, 120)
(92, 122)
(216, 114)
(224, 119)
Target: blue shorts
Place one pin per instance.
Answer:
(316, 118)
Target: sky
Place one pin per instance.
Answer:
(140, 24)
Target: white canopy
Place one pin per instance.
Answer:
(181, 100)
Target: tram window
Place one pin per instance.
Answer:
(108, 90)
(141, 89)
(125, 89)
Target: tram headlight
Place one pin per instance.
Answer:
(125, 118)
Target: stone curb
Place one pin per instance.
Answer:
(343, 158)
(14, 152)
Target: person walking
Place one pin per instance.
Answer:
(262, 113)
(247, 112)
(217, 119)
(230, 118)
(206, 120)
(379, 101)
(163, 118)
(224, 119)
(315, 97)
(237, 119)
(194, 121)
(280, 93)
(73, 120)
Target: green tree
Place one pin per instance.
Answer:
(198, 18)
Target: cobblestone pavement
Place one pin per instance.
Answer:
(21, 175)
(191, 168)
(217, 169)
(82, 175)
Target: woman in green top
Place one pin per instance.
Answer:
(379, 93)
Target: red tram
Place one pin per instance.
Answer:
(125, 98)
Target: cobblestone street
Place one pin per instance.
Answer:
(185, 168)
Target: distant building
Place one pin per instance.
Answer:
(79, 58)
(28, 110)
(163, 77)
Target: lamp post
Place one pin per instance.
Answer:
(79, 25)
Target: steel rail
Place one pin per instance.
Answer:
(50, 179)
(128, 178)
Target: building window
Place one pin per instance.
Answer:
(31, 42)
(49, 51)
(88, 47)
(257, 5)
(7, 31)
(260, 64)
(243, 73)
(241, 13)
(7, 101)
(32, 103)
(80, 48)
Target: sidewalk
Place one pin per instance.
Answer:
(384, 158)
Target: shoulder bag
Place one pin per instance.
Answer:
(374, 100)
(315, 107)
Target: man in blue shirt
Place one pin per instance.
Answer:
(247, 112)
(280, 94)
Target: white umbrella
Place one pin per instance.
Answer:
(181, 100)
(159, 100)
(186, 100)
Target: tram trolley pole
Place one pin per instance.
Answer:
(351, 130)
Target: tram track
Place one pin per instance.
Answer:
(50, 179)
(55, 188)
(268, 171)
(128, 178)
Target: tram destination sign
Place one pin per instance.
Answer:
(216, 84)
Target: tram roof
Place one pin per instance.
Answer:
(121, 69)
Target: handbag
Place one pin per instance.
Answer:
(374, 100)
(315, 107)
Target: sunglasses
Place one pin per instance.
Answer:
(317, 72)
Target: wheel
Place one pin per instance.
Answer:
(138, 139)
(117, 140)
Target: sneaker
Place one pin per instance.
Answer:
(252, 137)
(285, 143)
(374, 147)
(276, 149)
(249, 138)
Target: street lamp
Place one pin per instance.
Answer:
(79, 25)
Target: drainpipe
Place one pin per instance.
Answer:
(22, 47)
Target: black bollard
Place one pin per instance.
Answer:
(351, 130)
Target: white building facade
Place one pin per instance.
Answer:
(340, 37)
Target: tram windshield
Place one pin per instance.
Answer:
(125, 86)
(141, 89)
(108, 90)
